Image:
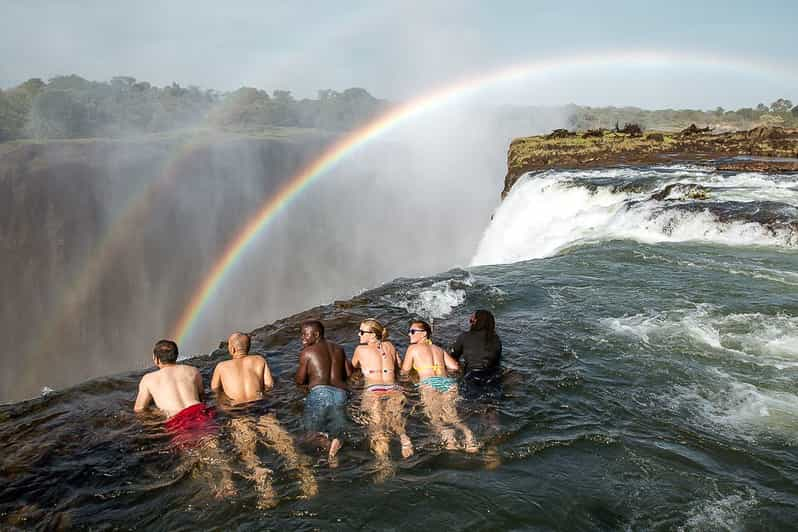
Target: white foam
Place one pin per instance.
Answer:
(724, 513)
(761, 339)
(546, 213)
(437, 301)
(737, 408)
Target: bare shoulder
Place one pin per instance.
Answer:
(388, 346)
(256, 360)
(190, 370)
(336, 347)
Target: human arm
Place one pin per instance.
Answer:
(143, 398)
(301, 376)
(268, 380)
(449, 361)
(216, 380)
(407, 363)
(456, 351)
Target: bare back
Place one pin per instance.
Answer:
(428, 360)
(378, 362)
(173, 388)
(242, 379)
(322, 363)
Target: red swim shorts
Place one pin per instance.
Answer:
(191, 424)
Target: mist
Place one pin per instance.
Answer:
(112, 239)
(108, 234)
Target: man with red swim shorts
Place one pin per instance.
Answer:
(176, 389)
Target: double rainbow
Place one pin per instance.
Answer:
(433, 99)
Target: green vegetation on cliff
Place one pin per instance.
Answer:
(566, 149)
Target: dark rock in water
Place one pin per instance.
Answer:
(685, 190)
(692, 129)
(773, 216)
(658, 137)
(560, 134)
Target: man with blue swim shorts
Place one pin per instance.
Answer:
(323, 367)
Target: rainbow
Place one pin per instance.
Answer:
(433, 99)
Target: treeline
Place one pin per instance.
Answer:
(782, 112)
(73, 107)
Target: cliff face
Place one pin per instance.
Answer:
(563, 149)
(103, 243)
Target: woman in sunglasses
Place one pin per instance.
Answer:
(438, 390)
(383, 400)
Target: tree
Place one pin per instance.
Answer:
(55, 114)
(781, 105)
(795, 111)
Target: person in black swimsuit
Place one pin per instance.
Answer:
(481, 350)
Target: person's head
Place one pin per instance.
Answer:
(372, 331)
(311, 332)
(238, 344)
(420, 332)
(482, 320)
(164, 352)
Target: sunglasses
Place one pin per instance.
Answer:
(361, 332)
(414, 331)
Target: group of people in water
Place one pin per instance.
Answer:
(242, 382)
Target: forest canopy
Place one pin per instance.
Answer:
(74, 107)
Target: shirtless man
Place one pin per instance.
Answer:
(245, 379)
(383, 400)
(177, 391)
(323, 367)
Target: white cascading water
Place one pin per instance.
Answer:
(546, 213)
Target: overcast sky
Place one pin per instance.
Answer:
(397, 50)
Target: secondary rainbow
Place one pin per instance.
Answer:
(83, 285)
(438, 97)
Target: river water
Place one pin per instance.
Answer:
(650, 364)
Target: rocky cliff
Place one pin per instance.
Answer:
(566, 149)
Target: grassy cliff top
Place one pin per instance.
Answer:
(565, 149)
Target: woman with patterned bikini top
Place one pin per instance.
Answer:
(383, 400)
(377, 358)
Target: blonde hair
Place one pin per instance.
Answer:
(376, 327)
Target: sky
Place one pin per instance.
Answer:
(398, 50)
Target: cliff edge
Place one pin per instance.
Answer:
(764, 149)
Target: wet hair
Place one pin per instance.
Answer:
(165, 351)
(425, 326)
(316, 325)
(484, 321)
(376, 327)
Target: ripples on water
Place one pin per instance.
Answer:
(647, 386)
